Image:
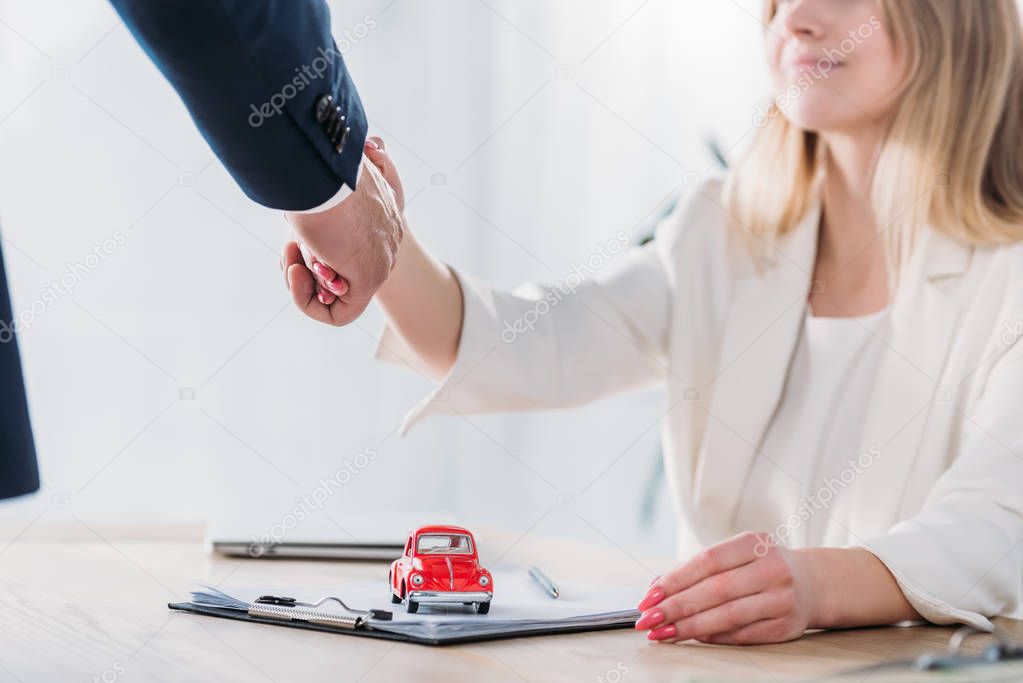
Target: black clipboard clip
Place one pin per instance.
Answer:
(290, 609)
(380, 614)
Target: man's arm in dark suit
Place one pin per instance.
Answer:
(255, 75)
(268, 88)
(19, 473)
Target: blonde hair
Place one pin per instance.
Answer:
(953, 153)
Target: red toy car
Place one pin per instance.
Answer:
(440, 565)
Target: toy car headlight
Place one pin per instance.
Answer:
(484, 580)
(417, 579)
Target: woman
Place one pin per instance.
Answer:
(837, 326)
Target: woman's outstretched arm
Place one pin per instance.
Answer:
(421, 297)
(423, 302)
(601, 329)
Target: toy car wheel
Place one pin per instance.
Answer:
(412, 606)
(482, 607)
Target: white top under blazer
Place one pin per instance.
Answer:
(814, 436)
(938, 496)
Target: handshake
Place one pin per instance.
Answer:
(338, 259)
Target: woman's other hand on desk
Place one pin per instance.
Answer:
(748, 590)
(741, 591)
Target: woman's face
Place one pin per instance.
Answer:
(833, 64)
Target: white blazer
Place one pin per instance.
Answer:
(942, 506)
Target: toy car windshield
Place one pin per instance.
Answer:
(444, 544)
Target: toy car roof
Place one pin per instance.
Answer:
(442, 529)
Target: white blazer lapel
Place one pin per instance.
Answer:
(760, 336)
(925, 313)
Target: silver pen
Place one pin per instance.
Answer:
(548, 586)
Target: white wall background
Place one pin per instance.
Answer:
(552, 124)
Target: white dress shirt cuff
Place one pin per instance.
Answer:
(344, 193)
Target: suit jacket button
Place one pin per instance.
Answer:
(324, 107)
(336, 121)
(340, 145)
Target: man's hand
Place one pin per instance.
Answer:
(352, 248)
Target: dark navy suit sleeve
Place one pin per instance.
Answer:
(19, 473)
(256, 75)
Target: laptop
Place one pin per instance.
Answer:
(373, 537)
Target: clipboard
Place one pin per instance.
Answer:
(369, 632)
(330, 614)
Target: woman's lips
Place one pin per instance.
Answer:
(821, 65)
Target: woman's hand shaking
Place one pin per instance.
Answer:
(340, 257)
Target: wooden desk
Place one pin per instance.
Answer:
(88, 603)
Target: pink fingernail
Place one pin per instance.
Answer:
(652, 598)
(336, 285)
(370, 143)
(650, 620)
(322, 271)
(663, 633)
(325, 298)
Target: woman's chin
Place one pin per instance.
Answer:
(817, 120)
